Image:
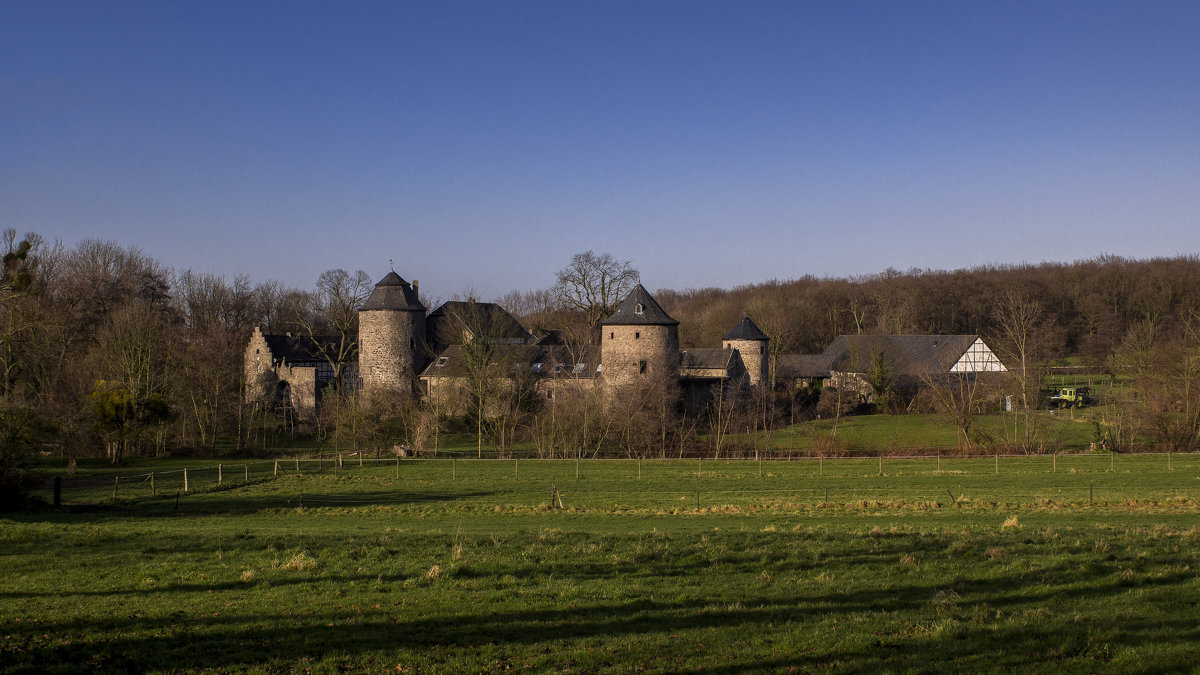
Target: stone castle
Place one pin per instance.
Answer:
(402, 348)
(405, 350)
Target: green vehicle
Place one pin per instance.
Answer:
(1071, 397)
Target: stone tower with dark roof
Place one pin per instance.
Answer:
(639, 342)
(391, 337)
(752, 344)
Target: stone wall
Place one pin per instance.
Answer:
(391, 349)
(632, 353)
(258, 369)
(754, 356)
(265, 379)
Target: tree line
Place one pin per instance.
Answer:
(104, 349)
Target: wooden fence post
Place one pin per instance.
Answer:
(246, 466)
(1168, 460)
(577, 466)
(276, 468)
(515, 466)
(821, 465)
(185, 484)
(397, 468)
(880, 464)
(360, 454)
(639, 468)
(453, 468)
(219, 472)
(699, 470)
(116, 481)
(1054, 462)
(297, 464)
(997, 464)
(153, 491)
(1112, 458)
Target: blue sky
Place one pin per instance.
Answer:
(480, 145)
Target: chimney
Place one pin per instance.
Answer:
(416, 286)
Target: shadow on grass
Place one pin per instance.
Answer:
(782, 627)
(228, 501)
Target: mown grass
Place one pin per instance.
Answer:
(463, 566)
(1067, 430)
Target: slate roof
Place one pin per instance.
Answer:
(299, 348)
(395, 293)
(483, 319)
(706, 359)
(789, 366)
(651, 312)
(745, 330)
(907, 354)
(555, 360)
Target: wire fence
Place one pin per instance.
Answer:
(932, 481)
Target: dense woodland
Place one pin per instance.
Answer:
(103, 349)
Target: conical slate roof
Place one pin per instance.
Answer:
(640, 309)
(745, 330)
(394, 293)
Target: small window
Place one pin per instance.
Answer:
(537, 367)
(255, 351)
(443, 360)
(639, 309)
(637, 335)
(612, 335)
(579, 367)
(642, 367)
(558, 369)
(550, 395)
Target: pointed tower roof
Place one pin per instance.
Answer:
(394, 293)
(640, 309)
(745, 330)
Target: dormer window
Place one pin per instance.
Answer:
(537, 367)
(442, 360)
(639, 309)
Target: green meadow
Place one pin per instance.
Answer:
(1078, 563)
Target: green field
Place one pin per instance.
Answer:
(1078, 563)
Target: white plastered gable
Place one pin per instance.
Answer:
(979, 358)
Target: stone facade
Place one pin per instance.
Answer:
(754, 356)
(275, 382)
(629, 354)
(391, 349)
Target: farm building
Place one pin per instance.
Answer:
(910, 359)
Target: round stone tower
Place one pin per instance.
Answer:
(752, 344)
(391, 337)
(639, 342)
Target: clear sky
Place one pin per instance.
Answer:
(480, 144)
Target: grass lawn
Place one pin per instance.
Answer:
(1048, 565)
(1071, 430)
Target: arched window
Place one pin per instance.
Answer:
(638, 309)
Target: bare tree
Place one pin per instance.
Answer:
(595, 284)
(1022, 340)
(334, 307)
